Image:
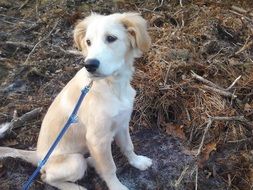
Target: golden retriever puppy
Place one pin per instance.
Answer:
(109, 44)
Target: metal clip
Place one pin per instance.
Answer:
(74, 119)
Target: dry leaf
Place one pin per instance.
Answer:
(206, 153)
(248, 107)
(175, 131)
(208, 149)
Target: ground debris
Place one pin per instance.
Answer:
(199, 67)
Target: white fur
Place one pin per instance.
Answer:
(105, 113)
(4, 128)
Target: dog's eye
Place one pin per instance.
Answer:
(111, 39)
(88, 42)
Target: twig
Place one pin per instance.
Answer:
(161, 4)
(240, 118)
(28, 57)
(181, 4)
(248, 124)
(178, 181)
(187, 114)
(239, 9)
(167, 73)
(232, 118)
(219, 91)
(32, 27)
(241, 15)
(201, 79)
(19, 44)
(214, 87)
(196, 178)
(247, 44)
(213, 56)
(17, 122)
(16, 18)
(24, 4)
(231, 86)
(68, 52)
(209, 123)
(241, 140)
(7, 22)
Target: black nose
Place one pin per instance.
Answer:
(91, 65)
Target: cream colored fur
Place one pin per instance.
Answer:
(105, 113)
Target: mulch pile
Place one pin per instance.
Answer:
(196, 82)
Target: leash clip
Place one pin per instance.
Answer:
(73, 119)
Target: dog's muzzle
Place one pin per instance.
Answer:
(91, 65)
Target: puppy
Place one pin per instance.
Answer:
(109, 44)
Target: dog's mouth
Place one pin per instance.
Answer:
(96, 75)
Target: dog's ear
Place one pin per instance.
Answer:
(80, 30)
(137, 31)
(79, 34)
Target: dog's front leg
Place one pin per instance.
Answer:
(124, 141)
(100, 150)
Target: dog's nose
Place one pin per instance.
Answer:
(91, 65)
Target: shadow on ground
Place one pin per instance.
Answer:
(168, 163)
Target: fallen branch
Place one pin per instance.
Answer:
(238, 9)
(218, 118)
(196, 178)
(201, 79)
(178, 181)
(24, 4)
(242, 15)
(68, 52)
(247, 44)
(214, 87)
(17, 122)
(219, 91)
(19, 44)
(232, 118)
(209, 123)
(248, 124)
(16, 18)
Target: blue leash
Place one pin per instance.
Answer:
(72, 119)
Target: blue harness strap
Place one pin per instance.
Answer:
(72, 119)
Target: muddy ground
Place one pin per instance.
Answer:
(173, 106)
(166, 152)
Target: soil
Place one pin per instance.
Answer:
(166, 152)
(172, 108)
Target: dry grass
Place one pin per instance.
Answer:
(201, 36)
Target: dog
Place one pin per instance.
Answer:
(109, 44)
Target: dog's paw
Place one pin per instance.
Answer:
(141, 162)
(119, 187)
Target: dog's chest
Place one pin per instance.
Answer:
(123, 110)
(116, 104)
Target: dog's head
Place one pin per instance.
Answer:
(107, 41)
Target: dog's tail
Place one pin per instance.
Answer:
(29, 156)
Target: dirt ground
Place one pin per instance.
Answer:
(194, 107)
